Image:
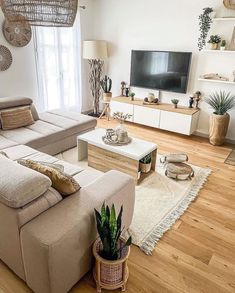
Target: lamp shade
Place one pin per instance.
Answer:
(95, 50)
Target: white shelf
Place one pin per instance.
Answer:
(217, 81)
(218, 51)
(224, 19)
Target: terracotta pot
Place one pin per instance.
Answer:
(109, 274)
(107, 97)
(145, 168)
(218, 128)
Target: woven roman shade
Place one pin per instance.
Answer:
(59, 13)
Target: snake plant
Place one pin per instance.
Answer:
(109, 228)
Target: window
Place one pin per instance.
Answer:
(58, 62)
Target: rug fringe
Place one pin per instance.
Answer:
(151, 240)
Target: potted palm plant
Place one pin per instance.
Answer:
(145, 164)
(106, 84)
(110, 250)
(221, 103)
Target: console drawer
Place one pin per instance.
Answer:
(147, 116)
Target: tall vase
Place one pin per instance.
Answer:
(218, 128)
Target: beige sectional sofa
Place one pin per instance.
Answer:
(44, 239)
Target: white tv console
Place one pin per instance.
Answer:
(181, 120)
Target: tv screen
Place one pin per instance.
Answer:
(161, 70)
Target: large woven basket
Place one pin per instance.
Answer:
(108, 274)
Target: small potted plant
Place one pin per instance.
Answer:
(205, 21)
(221, 103)
(214, 42)
(110, 250)
(175, 102)
(106, 84)
(223, 45)
(145, 164)
(132, 96)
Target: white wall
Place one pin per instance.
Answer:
(162, 25)
(20, 78)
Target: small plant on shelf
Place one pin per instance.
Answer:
(214, 41)
(175, 102)
(145, 163)
(106, 84)
(132, 96)
(223, 45)
(205, 21)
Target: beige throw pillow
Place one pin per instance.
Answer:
(16, 118)
(62, 182)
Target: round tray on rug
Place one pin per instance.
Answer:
(116, 143)
(179, 171)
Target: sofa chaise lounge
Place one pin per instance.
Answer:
(45, 239)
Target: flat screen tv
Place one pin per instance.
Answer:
(161, 70)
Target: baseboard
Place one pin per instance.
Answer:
(203, 134)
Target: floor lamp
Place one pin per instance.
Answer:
(96, 52)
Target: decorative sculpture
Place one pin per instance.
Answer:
(198, 98)
(228, 4)
(123, 85)
(191, 101)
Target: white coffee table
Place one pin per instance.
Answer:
(105, 157)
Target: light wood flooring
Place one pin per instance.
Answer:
(198, 253)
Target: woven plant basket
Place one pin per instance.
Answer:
(41, 12)
(145, 168)
(110, 275)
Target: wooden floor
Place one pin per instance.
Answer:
(198, 253)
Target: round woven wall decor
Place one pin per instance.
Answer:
(5, 58)
(18, 33)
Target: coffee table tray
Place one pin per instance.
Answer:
(116, 143)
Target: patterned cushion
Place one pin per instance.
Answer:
(62, 182)
(16, 118)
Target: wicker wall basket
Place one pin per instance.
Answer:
(110, 275)
(59, 13)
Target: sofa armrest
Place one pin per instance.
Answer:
(56, 246)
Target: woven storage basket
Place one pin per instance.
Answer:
(41, 12)
(145, 168)
(108, 274)
(179, 171)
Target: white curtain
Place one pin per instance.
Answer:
(58, 64)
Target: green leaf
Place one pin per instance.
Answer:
(103, 213)
(119, 219)
(129, 241)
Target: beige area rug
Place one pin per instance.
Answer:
(231, 158)
(160, 202)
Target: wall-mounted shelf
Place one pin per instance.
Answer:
(216, 81)
(224, 19)
(217, 51)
